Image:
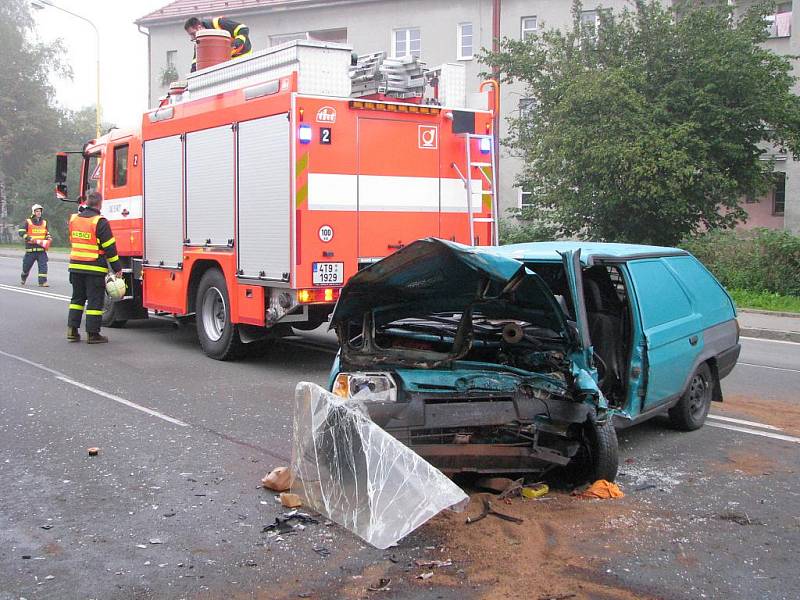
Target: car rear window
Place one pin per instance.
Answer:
(711, 301)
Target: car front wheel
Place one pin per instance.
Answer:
(691, 410)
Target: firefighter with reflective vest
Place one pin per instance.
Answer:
(93, 249)
(240, 35)
(37, 240)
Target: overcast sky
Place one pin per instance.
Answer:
(123, 54)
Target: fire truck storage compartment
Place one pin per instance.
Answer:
(209, 187)
(398, 173)
(163, 193)
(264, 204)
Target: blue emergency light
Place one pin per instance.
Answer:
(305, 134)
(486, 145)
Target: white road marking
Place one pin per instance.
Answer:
(61, 377)
(22, 290)
(770, 341)
(767, 434)
(743, 422)
(768, 367)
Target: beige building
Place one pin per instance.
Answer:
(438, 32)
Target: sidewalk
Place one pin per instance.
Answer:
(769, 325)
(753, 323)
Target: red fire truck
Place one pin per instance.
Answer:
(248, 198)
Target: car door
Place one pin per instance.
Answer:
(572, 267)
(671, 328)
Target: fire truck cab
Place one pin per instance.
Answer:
(249, 197)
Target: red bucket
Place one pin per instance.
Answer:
(213, 47)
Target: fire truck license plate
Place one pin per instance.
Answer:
(328, 273)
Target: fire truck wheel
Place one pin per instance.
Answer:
(109, 318)
(218, 336)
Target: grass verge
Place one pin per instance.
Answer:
(765, 301)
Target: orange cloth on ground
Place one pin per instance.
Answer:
(602, 489)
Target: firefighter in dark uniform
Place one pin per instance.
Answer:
(240, 35)
(93, 249)
(33, 232)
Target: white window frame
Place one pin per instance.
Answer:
(407, 41)
(460, 41)
(524, 31)
(172, 57)
(521, 193)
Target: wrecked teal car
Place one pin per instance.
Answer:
(524, 358)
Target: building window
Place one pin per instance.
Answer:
(528, 27)
(171, 56)
(779, 25)
(120, 165)
(523, 198)
(465, 41)
(526, 106)
(590, 18)
(779, 194)
(407, 42)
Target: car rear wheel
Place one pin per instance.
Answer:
(219, 337)
(691, 410)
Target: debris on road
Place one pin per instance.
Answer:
(290, 500)
(500, 485)
(738, 518)
(285, 523)
(93, 451)
(278, 480)
(536, 491)
(601, 489)
(488, 510)
(155, 541)
(322, 551)
(425, 576)
(381, 586)
(433, 564)
(353, 472)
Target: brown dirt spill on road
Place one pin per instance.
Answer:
(785, 415)
(551, 554)
(750, 462)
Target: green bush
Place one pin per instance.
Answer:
(760, 260)
(517, 232)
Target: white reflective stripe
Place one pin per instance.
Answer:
(454, 196)
(331, 191)
(376, 193)
(113, 208)
(407, 194)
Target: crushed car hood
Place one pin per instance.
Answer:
(433, 274)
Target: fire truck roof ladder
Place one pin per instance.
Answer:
(487, 173)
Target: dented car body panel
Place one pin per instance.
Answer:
(502, 359)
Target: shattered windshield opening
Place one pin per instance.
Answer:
(514, 326)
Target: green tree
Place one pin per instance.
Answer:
(651, 124)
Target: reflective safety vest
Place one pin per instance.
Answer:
(37, 232)
(84, 245)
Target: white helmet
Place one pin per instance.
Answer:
(36, 207)
(115, 288)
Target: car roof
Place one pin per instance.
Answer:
(590, 251)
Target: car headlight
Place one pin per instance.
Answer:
(369, 387)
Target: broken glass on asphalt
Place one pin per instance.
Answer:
(353, 472)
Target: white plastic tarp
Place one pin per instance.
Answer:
(359, 476)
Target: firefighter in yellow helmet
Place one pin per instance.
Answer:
(92, 250)
(37, 239)
(240, 34)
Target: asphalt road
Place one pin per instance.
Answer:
(172, 506)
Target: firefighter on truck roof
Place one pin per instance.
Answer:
(37, 237)
(240, 34)
(93, 248)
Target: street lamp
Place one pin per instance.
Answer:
(42, 4)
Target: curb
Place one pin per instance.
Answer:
(771, 334)
(769, 313)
